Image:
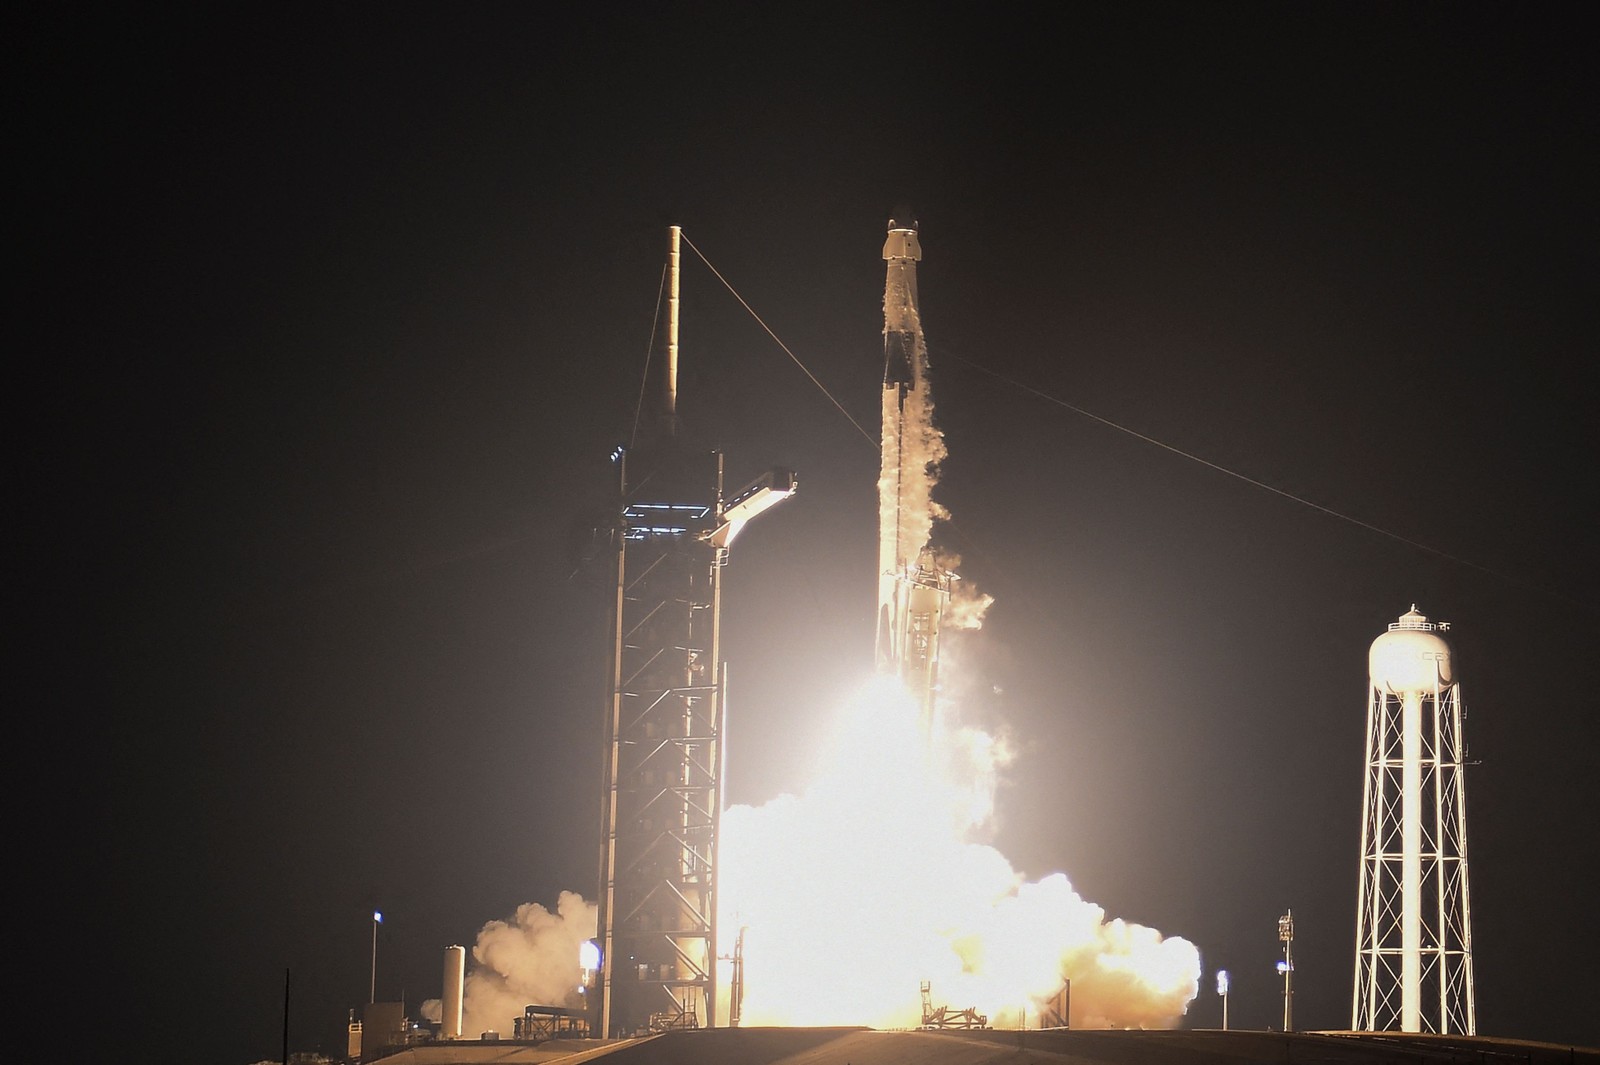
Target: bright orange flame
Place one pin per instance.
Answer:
(867, 884)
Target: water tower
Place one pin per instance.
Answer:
(1413, 917)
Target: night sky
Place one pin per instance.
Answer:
(341, 309)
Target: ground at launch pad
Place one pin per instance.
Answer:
(865, 1046)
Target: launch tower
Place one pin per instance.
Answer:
(662, 794)
(1413, 918)
(912, 588)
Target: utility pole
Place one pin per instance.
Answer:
(286, 1017)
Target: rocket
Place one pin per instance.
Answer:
(912, 588)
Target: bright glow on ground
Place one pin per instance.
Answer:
(866, 884)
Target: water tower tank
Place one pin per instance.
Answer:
(1410, 657)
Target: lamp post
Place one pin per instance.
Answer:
(1222, 989)
(377, 919)
(1286, 967)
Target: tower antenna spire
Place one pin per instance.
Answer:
(670, 399)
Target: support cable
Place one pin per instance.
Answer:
(644, 378)
(1048, 398)
(869, 437)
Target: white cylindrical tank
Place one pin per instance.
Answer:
(455, 975)
(1410, 657)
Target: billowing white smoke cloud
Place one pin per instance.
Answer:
(967, 606)
(868, 883)
(532, 959)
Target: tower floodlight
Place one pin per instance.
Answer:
(377, 919)
(1222, 990)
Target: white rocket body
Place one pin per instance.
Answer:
(912, 589)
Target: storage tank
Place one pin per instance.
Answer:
(1410, 657)
(455, 974)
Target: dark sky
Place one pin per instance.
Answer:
(340, 310)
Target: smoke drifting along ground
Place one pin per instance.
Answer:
(532, 958)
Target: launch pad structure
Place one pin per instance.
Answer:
(944, 1017)
(662, 779)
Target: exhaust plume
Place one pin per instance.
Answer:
(869, 882)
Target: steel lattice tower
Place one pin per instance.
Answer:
(1413, 918)
(663, 790)
(661, 799)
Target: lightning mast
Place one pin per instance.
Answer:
(661, 800)
(912, 588)
(1413, 918)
